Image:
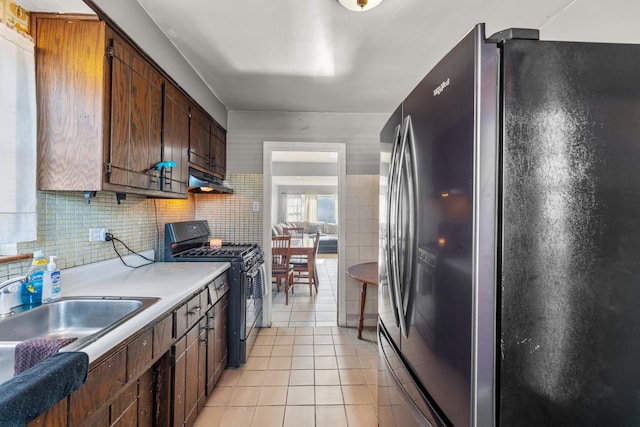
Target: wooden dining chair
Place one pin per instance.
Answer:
(304, 268)
(296, 233)
(281, 267)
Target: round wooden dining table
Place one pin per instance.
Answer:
(367, 274)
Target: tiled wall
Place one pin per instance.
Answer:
(64, 220)
(361, 242)
(231, 216)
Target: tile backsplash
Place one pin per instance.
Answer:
(64, 220)
(231, 216)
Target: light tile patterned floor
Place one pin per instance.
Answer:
(304, 370)
(305, 309)
(302, 376)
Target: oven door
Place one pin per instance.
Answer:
(254, 298)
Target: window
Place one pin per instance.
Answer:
(311, 207)
(295, 207)
(327, 208)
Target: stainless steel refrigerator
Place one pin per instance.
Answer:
(509, 282)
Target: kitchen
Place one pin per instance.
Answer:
(135, 220)
(65, 217)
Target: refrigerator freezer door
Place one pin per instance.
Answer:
(400, 402)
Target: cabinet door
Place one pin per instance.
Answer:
(124, 409)
(179, 381)
(202, 369)
(175, 140)
(70, 103)
(219, 155)
(211, 349)
(145, 399)
(221, 337)
(199, 139)
(136, 119)
(192, 372)
(56, 416)
(102, 382)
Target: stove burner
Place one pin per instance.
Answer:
(226, 251)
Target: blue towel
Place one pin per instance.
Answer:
(24, 397)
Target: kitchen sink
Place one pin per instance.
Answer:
(85, 318)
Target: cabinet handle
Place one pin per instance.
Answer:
(193, 312)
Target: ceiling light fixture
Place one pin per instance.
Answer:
(360, 5)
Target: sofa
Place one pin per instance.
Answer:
(328, 233)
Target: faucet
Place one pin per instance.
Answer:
(9, 287)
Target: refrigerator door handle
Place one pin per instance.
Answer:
(405, 228)
(391, 218)
(395, 247)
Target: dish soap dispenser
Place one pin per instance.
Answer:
(32, 289)
(51, 283)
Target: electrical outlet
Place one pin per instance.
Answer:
(98, 234)
(256, 206)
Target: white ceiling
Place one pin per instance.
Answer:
(306, 181)
(315, 55)
(304, 157)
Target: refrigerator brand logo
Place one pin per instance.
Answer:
(437, 91)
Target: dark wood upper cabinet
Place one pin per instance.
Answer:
(207, 144)
(219, 149)
(200, 139)
(176, 139)
(70, 80)
(135, 145)
(107, 116)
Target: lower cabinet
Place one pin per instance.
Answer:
(199, 357)
(216, 342)
(158, 378)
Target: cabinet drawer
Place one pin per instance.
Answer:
(162, 337)
(180, 321)
(102, 383)
(187, 315)
(194, 310)
(139, 354)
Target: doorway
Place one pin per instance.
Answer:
(289, 174)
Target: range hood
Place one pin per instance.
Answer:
(203, 183)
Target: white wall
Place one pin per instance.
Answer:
(248, 130)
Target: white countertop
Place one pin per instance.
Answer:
(171, 282)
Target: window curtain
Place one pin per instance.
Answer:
(311, 208)
(18, 218)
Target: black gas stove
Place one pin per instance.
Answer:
(249, 253)
(190, 242)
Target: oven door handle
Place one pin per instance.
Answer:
(253, 273)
